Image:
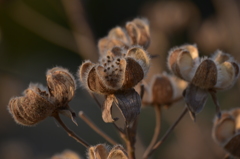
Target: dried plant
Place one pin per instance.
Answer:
(118, 77)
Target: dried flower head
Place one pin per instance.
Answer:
(226, 131)
(37, 103)
(101, 151)
(218, 72)
(118, 70)
(114, 76)
(163, 90)
(136, 33)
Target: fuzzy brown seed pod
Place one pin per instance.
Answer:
(119, 70)
(226, 131)
(101, 151)
(205, 75)
(31, 108)
(163, 90)
(61, 85)
(67, 154)
(138, 31)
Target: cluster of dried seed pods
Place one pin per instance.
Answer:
(117, 72)
(101, 151)
(204, 75)
(37, 102)
(136, 32)
(226, 131)
(163, 90)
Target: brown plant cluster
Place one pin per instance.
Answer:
(119, 77)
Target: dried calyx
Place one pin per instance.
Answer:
(226, 131)
(163, 90)
(207, 74)
(114, 76)
(136, 32)
(101, 151)
(37, 102)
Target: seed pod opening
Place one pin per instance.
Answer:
(138, 30)
(119, 33)
(99, 151)
(181, 63)
(61, 85)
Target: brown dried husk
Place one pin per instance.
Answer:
(233, 146)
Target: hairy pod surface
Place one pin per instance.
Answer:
(31, 108)
(61, 85)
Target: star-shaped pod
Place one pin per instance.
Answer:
(101, 151)
(37, 102)
(115, 76)
(226, 131)
(207, 74)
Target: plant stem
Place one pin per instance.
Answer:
(169, 131)
(70, 132)
(156, 131)
(95, 128)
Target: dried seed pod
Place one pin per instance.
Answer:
(226, 131)
(99, 151)
(192, 49)
(181, 63)
(164, 90)
(117, 152)
(66, 154)
(61, 85)
(115, 71)
(31, 108)
(138, 30)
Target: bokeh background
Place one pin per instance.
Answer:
(38, 35)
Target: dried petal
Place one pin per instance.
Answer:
(119, 33)
(83, 72)
(141, 56)
(138, 30)
(106, 44)
(133, 73)
(192, 49)
(195, 98)
(61, 85)
(224, 128)
(181, 63)
(227, 75)
(98, 152)
(233, 146)
(129, 104)
(206, 75)
(107, 109)
(117, 152)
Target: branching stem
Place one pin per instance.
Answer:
(70, 132)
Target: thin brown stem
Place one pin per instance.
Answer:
(156, 131)
(95, 128)
(169, 131)
(218, 110)
(130, 143)
(70, 132)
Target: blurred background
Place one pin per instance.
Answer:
(38, 35)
